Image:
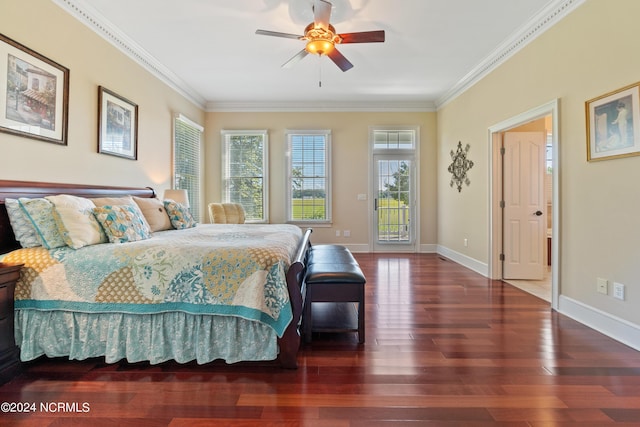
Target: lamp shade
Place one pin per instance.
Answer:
(177, 195)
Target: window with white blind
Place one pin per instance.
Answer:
(186, 160)
(244, 171)
(309, 176)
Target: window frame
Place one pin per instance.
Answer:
(226, 135)
(328, 220)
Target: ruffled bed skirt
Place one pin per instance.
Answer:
(150, 337)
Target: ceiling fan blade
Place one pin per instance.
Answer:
(298, 56)
(339, 59)
(321, 13)
(277, 34)
(363, 37)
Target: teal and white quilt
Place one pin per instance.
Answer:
(228, 270)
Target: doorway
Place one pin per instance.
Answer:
(394, 186)
(546, 114)
(394, 192)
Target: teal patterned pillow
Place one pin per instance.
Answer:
(179, 214)
(22, 226)
(122, 223)
(40, 212)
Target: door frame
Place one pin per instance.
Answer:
(410, 245)
(415, 153)
(495, 191)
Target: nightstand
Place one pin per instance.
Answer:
(9, 352)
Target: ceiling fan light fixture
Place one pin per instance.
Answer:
(321, 37)
(319, 47)
(321, 40)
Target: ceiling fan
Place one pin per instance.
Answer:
(321, 37)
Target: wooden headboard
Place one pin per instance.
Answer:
(16, 189)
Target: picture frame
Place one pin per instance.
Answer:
(117, 125)
(613, 124)
(34, 94)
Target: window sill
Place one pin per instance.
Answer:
(304, 224)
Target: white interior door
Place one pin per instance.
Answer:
(524, 217)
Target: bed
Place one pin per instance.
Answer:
(204, 293)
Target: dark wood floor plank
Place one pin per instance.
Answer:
(445, 347)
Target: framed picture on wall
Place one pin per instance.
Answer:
(613, 124)
(34, 94)
(117, 125)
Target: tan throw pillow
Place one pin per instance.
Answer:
(113, 201)
(154, 212)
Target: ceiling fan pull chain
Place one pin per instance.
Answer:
(320, 71)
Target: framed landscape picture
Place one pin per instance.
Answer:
(117, 125)
(34, 94)
(613, 124)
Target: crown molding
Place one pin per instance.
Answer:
(553, 13)
(90, 17)
(318, 106)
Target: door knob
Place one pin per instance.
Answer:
(537, 213)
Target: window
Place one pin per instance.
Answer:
(186, 160)
(244, 180)
(308, 176)
(386, 140)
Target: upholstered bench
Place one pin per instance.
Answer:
(333, 282)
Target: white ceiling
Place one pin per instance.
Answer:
(208, 49)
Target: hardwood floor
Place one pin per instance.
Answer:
(445, 347)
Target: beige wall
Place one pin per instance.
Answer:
(92, 61)
(587, 54)
(350, 165)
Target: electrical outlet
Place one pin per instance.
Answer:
(337, 233)
(602, 286)
(618, 291)
(346, 233)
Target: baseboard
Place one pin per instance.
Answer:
(470, 263)
(614, 327)
(362, 247)
(428, 248)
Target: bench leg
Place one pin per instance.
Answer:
(361, 316)
(307, 321)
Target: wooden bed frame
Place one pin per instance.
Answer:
(289, 343)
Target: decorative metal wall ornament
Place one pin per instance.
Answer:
(459, 166)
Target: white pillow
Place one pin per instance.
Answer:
(75, 221)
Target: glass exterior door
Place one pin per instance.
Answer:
(393, 204)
